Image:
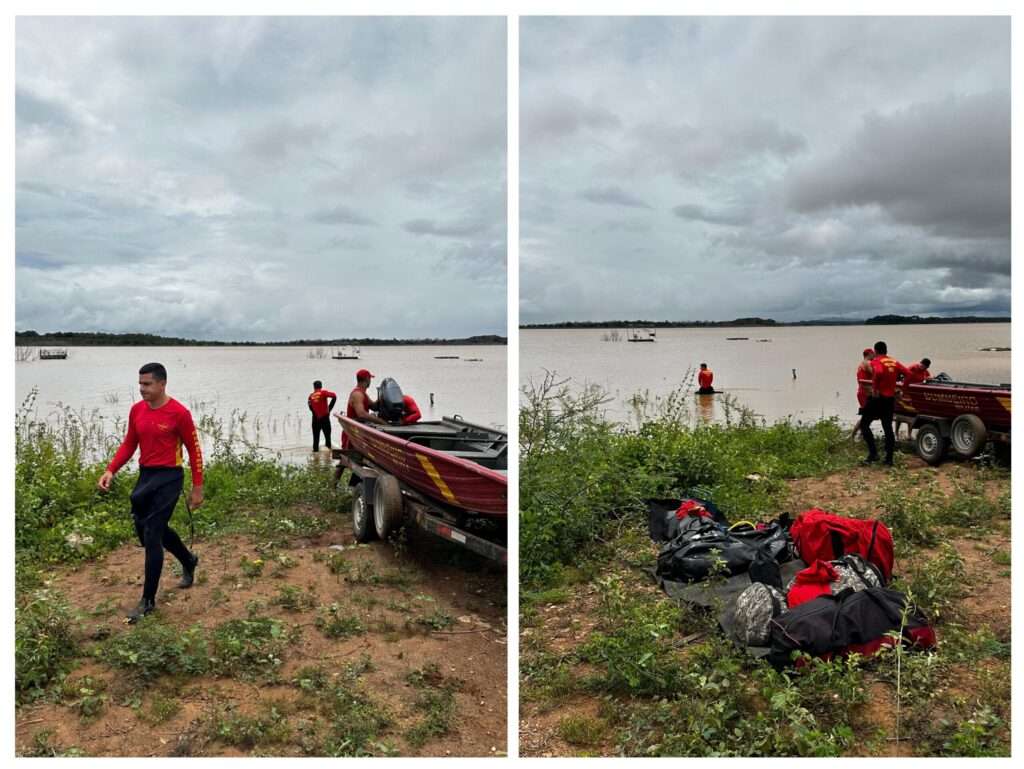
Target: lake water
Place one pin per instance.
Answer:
(760, 374)
(269, 385)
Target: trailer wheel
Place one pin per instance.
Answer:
(362, 522)
(387, 505)
(931, 446)
(968, 435)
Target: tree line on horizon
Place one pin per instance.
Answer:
(102, 339)
(877, 320)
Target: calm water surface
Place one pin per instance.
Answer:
(268, 385)
(760, 374)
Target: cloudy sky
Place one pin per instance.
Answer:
(261, 179)
(790, 168)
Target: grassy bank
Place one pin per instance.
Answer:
(294, 640)
(610, 666)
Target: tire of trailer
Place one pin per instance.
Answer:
(931, 445)
(968, 435)
(362, 519)
(387, 505)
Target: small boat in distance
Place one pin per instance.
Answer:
(641, 335)
(346, 353)
(736, 338)
(55, 354)
(446, 357)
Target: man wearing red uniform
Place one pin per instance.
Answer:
(360, 403)
(320, 403)
(881, 402)
(864, 375)
(412, 411)
(918, 372)
(704, 378)
(159, 426)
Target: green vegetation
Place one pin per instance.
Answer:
(580, 475)
(435, 703)
(84, 662)
(332, 623)
(662, 679)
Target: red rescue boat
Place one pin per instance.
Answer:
(961, 415)
(949, 400)
(453, 462)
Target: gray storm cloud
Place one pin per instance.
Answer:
(698, 168)
(251, 178)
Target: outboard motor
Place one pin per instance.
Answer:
(390, 405)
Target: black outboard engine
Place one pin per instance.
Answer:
(390, 405)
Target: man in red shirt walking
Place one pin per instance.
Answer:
(320, 403)
(881, 402)
(159, 426)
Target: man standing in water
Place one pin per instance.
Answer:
(159, 425)
(882, 402)
(704, 378)
(320, 403)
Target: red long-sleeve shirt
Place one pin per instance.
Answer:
(705, 378)
(160, 434)
(886, 370)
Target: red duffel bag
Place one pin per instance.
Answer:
(822, 536)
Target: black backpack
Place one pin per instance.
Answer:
(692, 555)
(845, 623)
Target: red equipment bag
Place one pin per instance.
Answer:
(813, 581)
(822, 536)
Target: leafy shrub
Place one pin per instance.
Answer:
(633, 644)
(245, 731)
(44, 642)
(153, 648)
(936, 584)
(331, 622)
(249, 648)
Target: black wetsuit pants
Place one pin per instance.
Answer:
(881, 409)
(153, 501)
(324, 424)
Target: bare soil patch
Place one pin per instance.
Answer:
(421, 605)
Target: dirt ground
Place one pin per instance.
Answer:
(436, 582)
(564, 626)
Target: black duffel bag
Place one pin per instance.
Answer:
(691, 556)
(848, 622)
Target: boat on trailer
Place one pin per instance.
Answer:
(447, 476)
(961, 415)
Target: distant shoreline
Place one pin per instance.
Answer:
(878, 320)
(87, 339)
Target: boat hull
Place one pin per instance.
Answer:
(948, 400)
(450, 480)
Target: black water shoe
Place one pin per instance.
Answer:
(869, 460)
(140, 611)
(188, 573)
